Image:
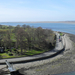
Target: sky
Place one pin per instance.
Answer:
(37, 10)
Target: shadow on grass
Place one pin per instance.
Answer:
(0, 57)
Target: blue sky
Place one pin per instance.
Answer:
(37, 10)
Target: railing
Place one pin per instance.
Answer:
(10, 67)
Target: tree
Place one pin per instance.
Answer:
(7, 40)
(24, 26)
(27, 26)
(1, 26)
(20, 37)
(39, 35)
(30, 37)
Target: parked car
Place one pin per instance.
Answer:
(60, 39)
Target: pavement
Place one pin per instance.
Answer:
(59, 46)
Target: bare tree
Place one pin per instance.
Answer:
(20, 37)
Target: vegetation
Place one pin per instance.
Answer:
(25, 40)
(61, 34)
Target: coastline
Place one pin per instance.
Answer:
(72, 37)
(62, 63)
(69, 22)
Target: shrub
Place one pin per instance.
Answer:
(10, 54)
(7, 50)
(14, 49)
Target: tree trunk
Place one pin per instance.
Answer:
(21, 50)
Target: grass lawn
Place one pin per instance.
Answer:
(5, 55)
(27, 53)
(33, 52)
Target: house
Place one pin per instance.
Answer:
(2, 49)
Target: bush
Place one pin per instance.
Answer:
(14, 49)
(10, 54)
(7, 50)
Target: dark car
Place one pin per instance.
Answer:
(59, 39)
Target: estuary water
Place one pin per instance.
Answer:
(63, 27)
(70, 73)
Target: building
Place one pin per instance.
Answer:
(2, 49)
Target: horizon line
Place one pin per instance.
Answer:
(38, 21)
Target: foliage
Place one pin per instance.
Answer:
(7, 50)
(27, 53)
(10, 54)
(5, 55)
(26, 38)
(61, 34)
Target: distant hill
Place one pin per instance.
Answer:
(45, 22)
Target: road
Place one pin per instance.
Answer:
(59, 44)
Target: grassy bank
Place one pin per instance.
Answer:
(27, 53)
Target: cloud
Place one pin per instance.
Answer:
(23, 10)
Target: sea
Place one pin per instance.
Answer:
(62, 27)
(70, 73)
